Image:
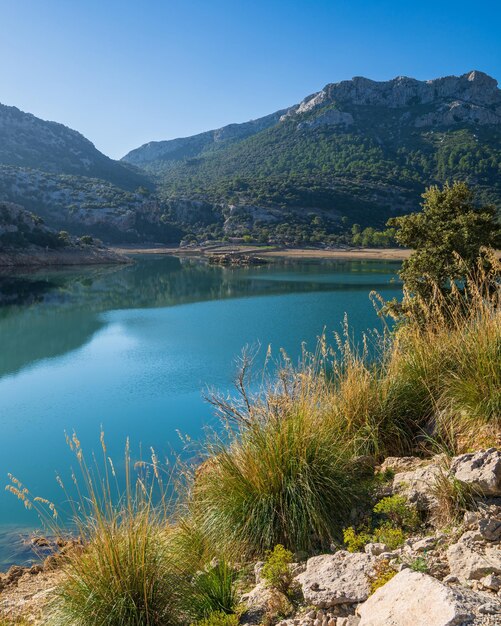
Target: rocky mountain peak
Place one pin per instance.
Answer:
(472, 97)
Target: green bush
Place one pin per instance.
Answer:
(419, 564)
(276, 570)
(356, 541)
(398, 511)
(218, 618)
(387, 534)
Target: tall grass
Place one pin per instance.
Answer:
(288, 473)
(285, 480)
(291, 466)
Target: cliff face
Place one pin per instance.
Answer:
(474, 87)
(473, 97)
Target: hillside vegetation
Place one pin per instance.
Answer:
(356, 152)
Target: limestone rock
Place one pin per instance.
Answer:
(471, 558)
(416, 599)
(481, 470)
(397, 464)
(375, 549)
(492, 582)
(339, 578)
(417, 485)
(263, 602)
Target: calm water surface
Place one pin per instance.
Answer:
(133, 348)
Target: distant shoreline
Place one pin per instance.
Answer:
(62, 257)
(271, 252)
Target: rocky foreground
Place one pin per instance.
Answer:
(448, 575)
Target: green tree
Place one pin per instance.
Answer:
(447, 237)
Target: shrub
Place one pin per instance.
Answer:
(355, 541)
(124, 576)
(392, 537)
(383, 573)
(419, 564)
(126, 572)
(453, 499)
(219, 618)
(398, 511)
(276, 570)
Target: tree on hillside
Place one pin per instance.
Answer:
(447, 237)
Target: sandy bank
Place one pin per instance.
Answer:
(395, 254)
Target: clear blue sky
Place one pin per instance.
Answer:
(124, 72)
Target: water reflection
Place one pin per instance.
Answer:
(46, 314)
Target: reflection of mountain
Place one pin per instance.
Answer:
(59, 311)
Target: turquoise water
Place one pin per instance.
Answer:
(133, 348)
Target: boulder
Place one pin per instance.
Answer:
(340, 578)
(375, 549)
(416, 599)
(264, 604)
(472, 558)
(417, 485)
(481, 470)
(398, 464)
(492, 582)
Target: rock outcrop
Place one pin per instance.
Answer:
(340, 578)
(416, 599)
(481, 470)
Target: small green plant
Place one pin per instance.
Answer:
(387, 534)
(355, 541)
(398, 511)
(276, 570)
(383, 573)
(218, 618)
(419, 564)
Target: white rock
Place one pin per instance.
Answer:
(490, 528)
(263, 600)
(423, 545)
(471, 559)
(339, 578)
(491, 581)
(415, 599)
(417, 485)
(490, 608)
(375, 549)
(258, 568)
(451, 579)
(481, 470)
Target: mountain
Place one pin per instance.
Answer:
(179, 149)
(57, 173)
(356, 151)
(29, 142)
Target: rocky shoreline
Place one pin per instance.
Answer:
(39, 257)
(441, 576)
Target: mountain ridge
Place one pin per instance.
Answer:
(358, 90)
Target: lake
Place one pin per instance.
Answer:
(132, 348)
